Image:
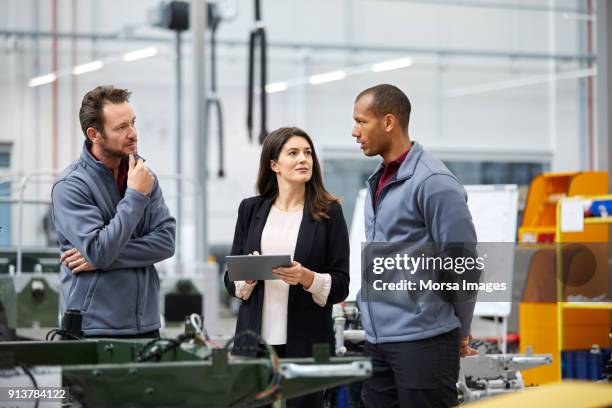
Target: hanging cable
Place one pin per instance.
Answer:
(257, 37)
(213, 101)
(29, 373)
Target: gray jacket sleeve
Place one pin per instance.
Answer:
(79, 220)
(158, 241)
(444, 204)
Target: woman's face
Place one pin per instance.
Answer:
(294, 163)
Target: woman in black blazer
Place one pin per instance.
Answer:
(291, 191)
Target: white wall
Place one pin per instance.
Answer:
(505, 120)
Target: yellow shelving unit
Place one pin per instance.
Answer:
(598, 220)
(590, 305)
(595, 232)
(548, 322)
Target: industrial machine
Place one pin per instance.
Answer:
(480, 377)
(181, 372)
(486, 375)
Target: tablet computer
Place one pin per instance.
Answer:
(254, 267)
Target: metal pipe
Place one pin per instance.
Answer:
(447, 52)
(292, 370)
(552, 87)
(589, 91)
(604, 88)
(339, 322)
(354, 336)
(22, 186)
(73, 79)
(500, 6)
(582, 94)
(179, 143)
(54, 99)
(29, 201)
(36, 91)
(200, 135)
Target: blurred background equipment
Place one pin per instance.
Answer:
(258, 45)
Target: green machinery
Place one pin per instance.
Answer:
(183, 372)
(30, 299)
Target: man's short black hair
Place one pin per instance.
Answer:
(389, 99)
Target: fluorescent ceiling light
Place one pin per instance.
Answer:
(41, 80)
(277, 87)
(392, 64)
(520, 82)
(139, 54)
(90, 66)
(327, 77)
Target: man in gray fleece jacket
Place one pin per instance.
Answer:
(412, 198)
(112, 224)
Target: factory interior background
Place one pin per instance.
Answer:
(513, 96)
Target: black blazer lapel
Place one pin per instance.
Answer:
(259, 222)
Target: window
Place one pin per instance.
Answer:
(345, 177)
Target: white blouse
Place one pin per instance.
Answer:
(279, 237)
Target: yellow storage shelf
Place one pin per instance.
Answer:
(598, 220)
(587, 305)
(593, 232)
(550, 327)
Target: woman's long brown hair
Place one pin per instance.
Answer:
(318, 199)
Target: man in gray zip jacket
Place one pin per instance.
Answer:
(112, 224)
(412, 198)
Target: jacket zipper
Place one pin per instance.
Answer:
(368, 292)
(137, 300)
(118, 192)
(375, 208)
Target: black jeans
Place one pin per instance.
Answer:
(415, 374)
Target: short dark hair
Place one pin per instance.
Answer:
(389, 99)
(91, 114)
(318, 199)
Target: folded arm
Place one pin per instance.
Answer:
(157, 244)
(78, 219)
(154, 246)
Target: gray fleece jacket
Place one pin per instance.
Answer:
(122, 236)
(424, 204)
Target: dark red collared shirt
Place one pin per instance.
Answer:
(121, 178)
(389, 172)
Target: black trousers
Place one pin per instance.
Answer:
(415, 374)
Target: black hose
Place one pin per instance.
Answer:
(257, 39)
(262, 84)
(250, 89)
(28, 372)
(213, 102)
